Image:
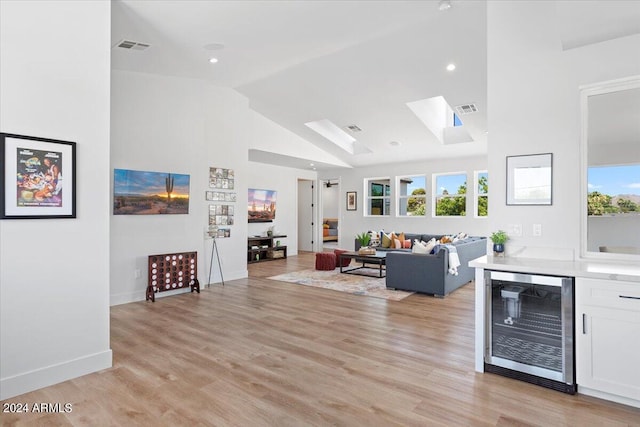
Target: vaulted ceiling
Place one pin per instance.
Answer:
(351, 62)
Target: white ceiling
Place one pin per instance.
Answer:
(352, 62)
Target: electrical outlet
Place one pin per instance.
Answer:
(537, 230)
(515, 230)
(137, 274)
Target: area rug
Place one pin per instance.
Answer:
(350, 283)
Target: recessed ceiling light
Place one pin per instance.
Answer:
(444, 5)
(311, 164)
(214, 46)
(451, 67)
(213, 60)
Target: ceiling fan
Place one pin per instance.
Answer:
(330, 184)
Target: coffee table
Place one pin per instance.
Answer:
(379, 259)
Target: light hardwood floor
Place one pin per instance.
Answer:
(262, 353)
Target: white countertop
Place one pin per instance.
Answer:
(595, 269)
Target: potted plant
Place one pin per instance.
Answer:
(364, 239)
(499, 238)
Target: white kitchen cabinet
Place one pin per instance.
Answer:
(608, 339)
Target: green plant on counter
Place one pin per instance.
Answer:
(499, 237)
(364, 239)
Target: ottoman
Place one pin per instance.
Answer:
(325, 261)
(345, 262)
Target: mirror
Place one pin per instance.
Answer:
(611, 169)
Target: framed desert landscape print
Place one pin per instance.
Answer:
(38, 176)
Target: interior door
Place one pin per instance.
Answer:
(305, 215)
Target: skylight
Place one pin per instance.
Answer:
(333, 133)
(440, 119)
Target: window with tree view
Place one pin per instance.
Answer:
(412, 195)
(378, 192)
(482, 193)
(613, 190)
(450, 194)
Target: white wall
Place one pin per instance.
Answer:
(169, 124)
(54, 273)
(533, 93)
(285, 182)
(353, 222)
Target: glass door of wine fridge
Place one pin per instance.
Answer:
(530, 328)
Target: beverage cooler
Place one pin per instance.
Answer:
(530, 328)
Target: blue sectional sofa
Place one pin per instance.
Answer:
(428, 273)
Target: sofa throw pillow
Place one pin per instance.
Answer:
(460, 236)
(419, 247)
(386, 240)
(394, 241)
(375, 239)
(406, 244)
(430, 245)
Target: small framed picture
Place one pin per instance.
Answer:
(32, 171)
(352, 200)
(529, 179)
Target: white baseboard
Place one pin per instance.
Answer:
(231, 275)
(608, 396)
(44, 377)
(127, 297)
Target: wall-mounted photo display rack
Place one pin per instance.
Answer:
(221, 215)
(219, 232)
(221, 178)
(220, 196)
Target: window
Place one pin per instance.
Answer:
(450, 192)
(456, 120)
(412, 195)
(482, 193)
(378, 191)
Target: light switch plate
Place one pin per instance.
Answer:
(537, 230)
(515, 230)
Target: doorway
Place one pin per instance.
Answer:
(330, 213)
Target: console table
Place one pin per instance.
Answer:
(265, 248)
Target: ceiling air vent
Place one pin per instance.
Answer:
(466, 109)
(128, 44)
(354, 128)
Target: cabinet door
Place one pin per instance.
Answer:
(608, 350)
